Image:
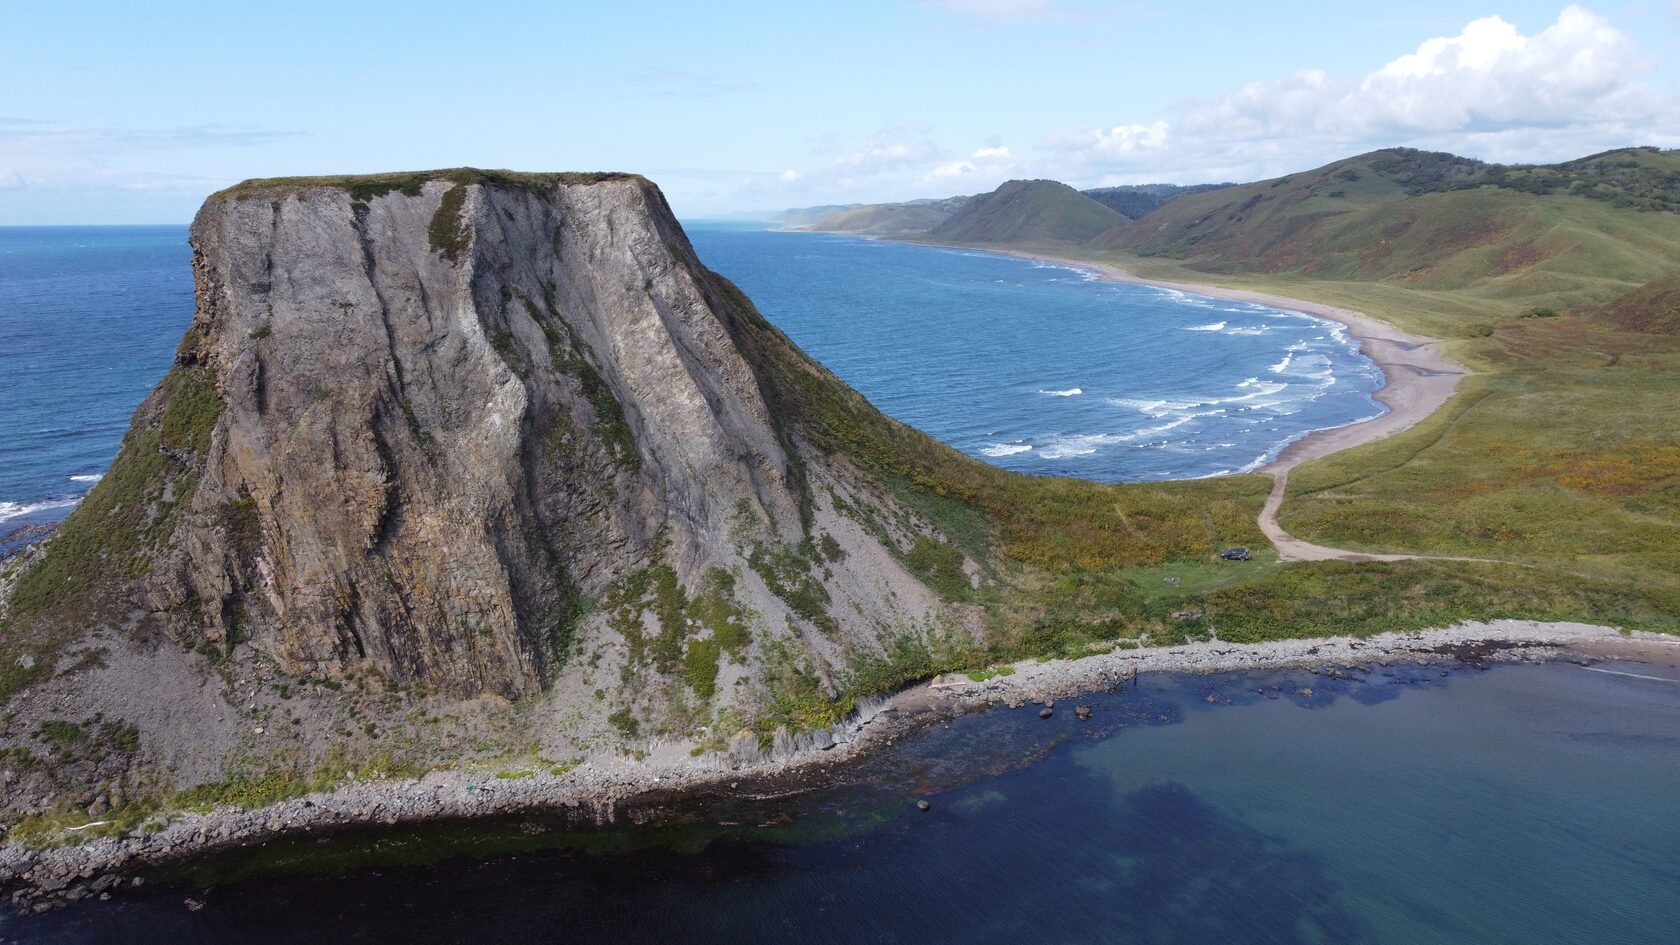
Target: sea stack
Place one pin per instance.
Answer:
(487, 447)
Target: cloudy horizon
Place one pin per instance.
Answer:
(759, 108)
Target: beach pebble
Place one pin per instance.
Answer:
(923, 804)
(1046, 713)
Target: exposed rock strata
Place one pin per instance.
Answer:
(445, 438)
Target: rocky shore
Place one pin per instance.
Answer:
(608, 790)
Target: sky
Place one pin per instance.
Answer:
(134, 112)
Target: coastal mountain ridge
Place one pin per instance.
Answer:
(916, 217)
(1561, 235)
(891, 219)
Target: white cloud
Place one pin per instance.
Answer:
(987, 166)
(10, 179)
(1488, 91)
(889, 149)
(1578, 71)
(1114, 141)
(788, 176)
(1485, 90)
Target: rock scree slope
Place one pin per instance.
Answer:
(454, 461)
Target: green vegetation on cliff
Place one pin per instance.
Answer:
(1087, 562)
(113, 534)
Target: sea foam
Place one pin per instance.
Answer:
(11, 510)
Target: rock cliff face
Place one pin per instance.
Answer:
(452, 411)
(467, 434)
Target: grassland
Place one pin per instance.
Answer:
(1559, 455)
(1559, 460)
(1536, 465)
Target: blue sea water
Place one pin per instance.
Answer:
(89, 319)
(1043, 369)
(1524, 805)
(1036, 368)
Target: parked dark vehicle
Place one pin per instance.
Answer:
(1235, 554)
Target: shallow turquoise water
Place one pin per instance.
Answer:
(1525, 804)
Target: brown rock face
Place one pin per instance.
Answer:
(461, 466)
(452, 410)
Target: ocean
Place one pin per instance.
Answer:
(1522, 805)
(1033, 367)
(89, 320)
(1044, 369)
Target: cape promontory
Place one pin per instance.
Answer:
(455, 465)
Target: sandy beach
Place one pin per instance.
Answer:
(1419, 379)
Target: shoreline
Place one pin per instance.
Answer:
(1417, 379)
(611, 790)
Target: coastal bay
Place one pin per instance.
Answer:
(1254, 801)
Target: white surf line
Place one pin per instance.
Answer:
(1617, 672)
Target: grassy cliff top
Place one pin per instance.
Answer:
(363, 186)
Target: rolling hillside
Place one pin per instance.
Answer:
(1028, 211)
(890, 219)
(1653, 308)
(1562, 235)
(1136, 201)
(1558, 286)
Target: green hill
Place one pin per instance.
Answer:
(891, 219)
(1653, 308)
(1559, 235)
(1136, 201)
(806, 216)
(1028, 211)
